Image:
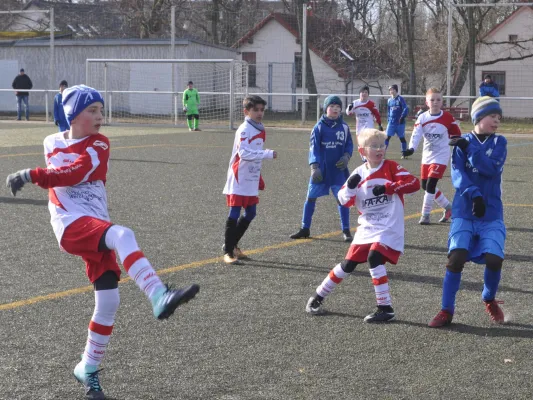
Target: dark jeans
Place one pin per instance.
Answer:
(20, 100)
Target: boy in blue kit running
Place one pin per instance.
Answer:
(59, 114)
(477, 232)
(398, 111)
(330, 151)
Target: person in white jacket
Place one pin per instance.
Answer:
(244, 178)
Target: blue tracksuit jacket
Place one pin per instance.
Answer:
(59, 113)
(489, 89)
(330, 139)
(478, 172)
(397, 110)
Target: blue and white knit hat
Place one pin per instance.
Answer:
(78, 98)
(332, 100)
(484, 106)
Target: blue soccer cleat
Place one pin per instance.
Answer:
(87, 375)
(167, 300)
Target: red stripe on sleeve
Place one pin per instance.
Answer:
(132, 258)
(100, 329)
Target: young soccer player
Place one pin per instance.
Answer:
(329, 153)
(365, 111)
(77, 162)
(436, 127)
(376, 188)
(59, 114)
(398, 111)
(191, 101)
(477, 232)
(244, 178)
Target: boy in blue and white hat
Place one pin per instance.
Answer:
(477, 232)
(330, 150)
(77, 162)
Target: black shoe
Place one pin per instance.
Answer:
(166, 303)
(382, 314)
(347, 235)
(303, 233)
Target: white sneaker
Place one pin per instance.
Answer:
(314, 306)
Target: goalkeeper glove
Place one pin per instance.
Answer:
(460, 142)
(378, 190)
(316, 174)
(343, 161)
(478, 207)
(408, 152)
(16, 181)
(353, 181)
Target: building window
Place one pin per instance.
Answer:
(249, 57)
(498, 77)
(298, 68)
(513, 38)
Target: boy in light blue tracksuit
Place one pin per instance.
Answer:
(59, 114)
(398, 111)
(477, 232)
(330, 150)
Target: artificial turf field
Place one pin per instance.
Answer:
(246, 335)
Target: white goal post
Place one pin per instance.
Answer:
(150, 91)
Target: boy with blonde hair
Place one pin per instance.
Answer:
(477, 232)
(76, 173)
(435, 127)
(376, 188)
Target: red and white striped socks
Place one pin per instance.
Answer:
(381, 285)
(101, 325)
(335, 276)
(441, 200)
(438, 197)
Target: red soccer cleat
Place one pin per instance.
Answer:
(493, 309)
(443, 318)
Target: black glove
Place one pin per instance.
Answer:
(350, 107)
(408, 152)
(380, 128)
(478, 207)
(316, 174)
(16, 181)
(353, 181)
(460, 142)
(56, 122)
(402, 120)
(378, 190)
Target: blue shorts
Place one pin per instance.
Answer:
(321, 189)
(478, 237)
(396, 129)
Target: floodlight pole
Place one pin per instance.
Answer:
(52, 54)
(304, 61)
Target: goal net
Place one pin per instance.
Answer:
(151, 91)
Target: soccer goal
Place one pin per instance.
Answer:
(145, 91)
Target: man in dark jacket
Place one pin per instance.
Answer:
(489, 88)
(21, 82)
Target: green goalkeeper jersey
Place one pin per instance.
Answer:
(191, 99)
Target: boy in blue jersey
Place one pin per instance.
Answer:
(59, 114)
(477, 232)
(398, 111)
(330, 150)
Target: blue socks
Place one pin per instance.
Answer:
(309, 209)
(404, 145)
(344, 212)
(491, 283)
(450, 286)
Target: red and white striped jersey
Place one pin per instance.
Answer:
(364, 112)
(75, 176)
(381, 218)
(436, 131)
(246, 160)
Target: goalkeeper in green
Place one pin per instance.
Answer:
(191, 100)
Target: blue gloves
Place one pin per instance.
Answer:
(16, 181)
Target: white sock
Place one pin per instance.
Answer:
(106, 304)
(335, 276)
(137, 266)
(427, 205)
(381, 285)
(441, 200)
